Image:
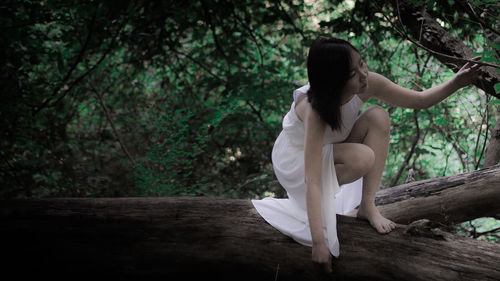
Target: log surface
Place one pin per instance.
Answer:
(449, 200)
(201, 237)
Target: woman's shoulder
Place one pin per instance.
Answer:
(309, 116)
(300, 91)
(376, 82)
(302, 107)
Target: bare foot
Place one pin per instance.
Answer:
(371, 213)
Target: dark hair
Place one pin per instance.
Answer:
(328, 65)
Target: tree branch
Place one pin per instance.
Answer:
(467, 7)
(110, 120)
(409, 154)
(483, 120)
(458, 59)
(66, 90)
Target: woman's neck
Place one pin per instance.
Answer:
(346, 98)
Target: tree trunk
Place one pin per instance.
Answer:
(447, 200)
(225, 239)
(492, 155)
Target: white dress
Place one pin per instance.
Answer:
(290, 215)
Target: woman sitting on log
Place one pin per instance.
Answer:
(330, 159)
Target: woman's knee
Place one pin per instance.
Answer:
(379, 118)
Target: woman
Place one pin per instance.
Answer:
(325, 146)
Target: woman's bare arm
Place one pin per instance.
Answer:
(313, 152)
(386, 90)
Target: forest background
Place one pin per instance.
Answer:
(186, 98)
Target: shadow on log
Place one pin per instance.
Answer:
(202, 238)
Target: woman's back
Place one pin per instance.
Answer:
(349, 112)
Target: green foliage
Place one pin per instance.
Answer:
(487, 229)
(178, 148)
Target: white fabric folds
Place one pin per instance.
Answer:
(290, 215)
(284, 215)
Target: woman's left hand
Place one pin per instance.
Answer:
(468, 74)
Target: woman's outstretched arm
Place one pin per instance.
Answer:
(386, 90)
(313, 153)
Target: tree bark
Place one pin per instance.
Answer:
(447, 200)
(202, 237)
(427, 31)
(492, 155)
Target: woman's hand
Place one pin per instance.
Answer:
(467, 74)
(322, 258)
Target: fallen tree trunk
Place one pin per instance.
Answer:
(448, 200)
(200, 237)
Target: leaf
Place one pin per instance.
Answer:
(497, 87)
(493, 102)
(440, 121)
(430, 5)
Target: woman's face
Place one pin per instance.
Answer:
(358, 77)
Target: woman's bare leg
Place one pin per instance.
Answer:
(352, 161)
(372, 128)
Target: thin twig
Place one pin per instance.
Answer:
(291, 21)
(206, 68)
(448, 137)
(482, 23)
(476, 162)
(66, 90)
(108, 116)
(410, 152)
(486, 136)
